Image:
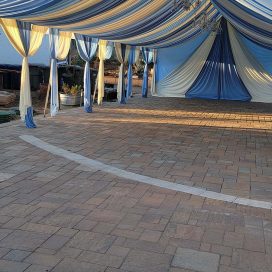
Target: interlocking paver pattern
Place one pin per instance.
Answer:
(56, 215)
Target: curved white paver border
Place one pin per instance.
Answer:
(96, 165)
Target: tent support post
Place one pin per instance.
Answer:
(46, 99)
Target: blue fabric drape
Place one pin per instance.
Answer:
(131, 61)
(29, 118)
(170, 58)
(86, 47)
(231, 86)
(219, 78)
(147, 57)
(261, 53)
(207, 83)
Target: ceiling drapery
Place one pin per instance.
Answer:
(152, 23)
(136, 22)
(253, 18)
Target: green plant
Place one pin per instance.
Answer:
(65, 88)
(74, 90)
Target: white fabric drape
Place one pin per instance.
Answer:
(178, 82)
(122, 56)
(60, 43)
(256, 79)
(26, 39)
(86, 47)
(104, 52)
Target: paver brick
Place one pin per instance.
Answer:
(23, 240)
(42, 259)
(17, 255)
(138, 261)
(196, 260)
(11, 266)
(101, 259)
(60, 210)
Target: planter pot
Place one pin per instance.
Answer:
(69, 100)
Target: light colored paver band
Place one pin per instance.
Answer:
(96, 165)
(196, 260)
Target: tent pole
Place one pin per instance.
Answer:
(95, 89)
(46, 99)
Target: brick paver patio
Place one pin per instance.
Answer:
(56, 215)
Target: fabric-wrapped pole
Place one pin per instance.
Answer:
(104, 52)
(26, 39)
(121, 54)
(153, 82)
(147, 56)
(133, 57)
(59, 48)
(53, 79)
(86, 47)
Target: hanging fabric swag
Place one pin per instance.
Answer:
(104, 53)
(86, 47)
(26, 39)
(180, 80)
(121, 57)
(256, 79)
(59, 48)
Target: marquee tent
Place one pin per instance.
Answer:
(232, 61)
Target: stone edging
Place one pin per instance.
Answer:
(99, 166)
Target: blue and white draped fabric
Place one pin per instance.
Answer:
(22, 8)
(120, 50)
(55, 10)
(251, 17)
(133, 57)
(146, 23)
(147, 57)
(86, 47)
(25, 92)
(183, 73)
(253, 74)
(104, 52)
(53, 79)
(231, 86)
(261, 53)
(26, 39)
(59, 44)
(219, 78)
(168, 59)
(227, 65)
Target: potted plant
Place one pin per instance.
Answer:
(70, 96)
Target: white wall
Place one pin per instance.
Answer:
(8, 55)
